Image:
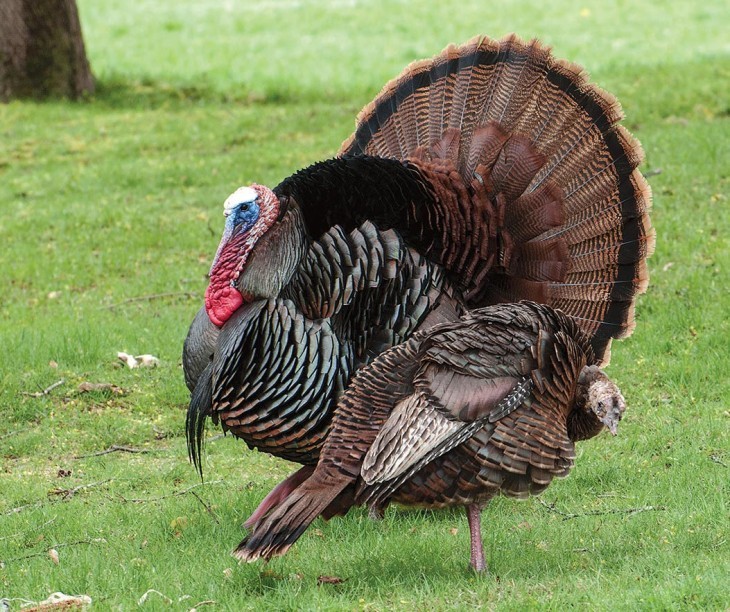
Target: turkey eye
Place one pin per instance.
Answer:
(245, 206)
(600, 405)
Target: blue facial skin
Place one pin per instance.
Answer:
(238, 222)
(243, 217)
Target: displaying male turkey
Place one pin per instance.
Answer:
(455, 415)
(490, 173)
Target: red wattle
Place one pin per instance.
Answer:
(221, 303)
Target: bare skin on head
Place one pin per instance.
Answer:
(603, 397)
(250, 212)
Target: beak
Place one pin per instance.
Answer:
(227, 235)
(611, 421)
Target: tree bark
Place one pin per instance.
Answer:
(42, 50)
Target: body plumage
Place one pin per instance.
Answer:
(489, 174)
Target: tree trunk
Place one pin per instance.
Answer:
(42, 51)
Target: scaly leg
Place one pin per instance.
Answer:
(474, 514)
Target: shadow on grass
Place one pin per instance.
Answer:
(656, 92)
(372, 568)
(118, 92)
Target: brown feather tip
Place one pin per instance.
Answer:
(244, 555)
(251, 556)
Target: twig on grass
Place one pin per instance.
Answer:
(570, 515)
(45, 551)
(45, 391)
(29, 530)
(69, 493)
(17, 509)
(161, 497)
(62, 495)
(206, 506)
(114, 448)
(152, 296)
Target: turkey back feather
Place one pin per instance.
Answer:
(546, 145)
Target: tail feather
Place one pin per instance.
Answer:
(553, 162)
(443, 79)
(534, 213)
(277, 532)
(518, 162)
(404, 106)
(463, 112)
(279, 493)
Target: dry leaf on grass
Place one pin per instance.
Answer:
(330, 580)
(85, 387)
(269, 573)
(523, 525)
(149, 592)
(60, 601)
(144, 361)
(147, 361)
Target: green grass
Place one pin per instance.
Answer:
(119, 197)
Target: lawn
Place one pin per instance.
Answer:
(110, 213)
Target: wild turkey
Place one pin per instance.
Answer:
(453, 416)
(490, 173)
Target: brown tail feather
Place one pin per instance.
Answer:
(278, 494)
(546, 145)
(276, 533)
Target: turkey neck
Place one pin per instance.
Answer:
(276, 257)
(582, 421)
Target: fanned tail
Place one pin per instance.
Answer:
(548, 168)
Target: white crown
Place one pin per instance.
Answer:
(238, 197)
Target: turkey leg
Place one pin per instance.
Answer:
(474, 515)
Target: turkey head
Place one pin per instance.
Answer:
(254, 258)
(599, 404)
